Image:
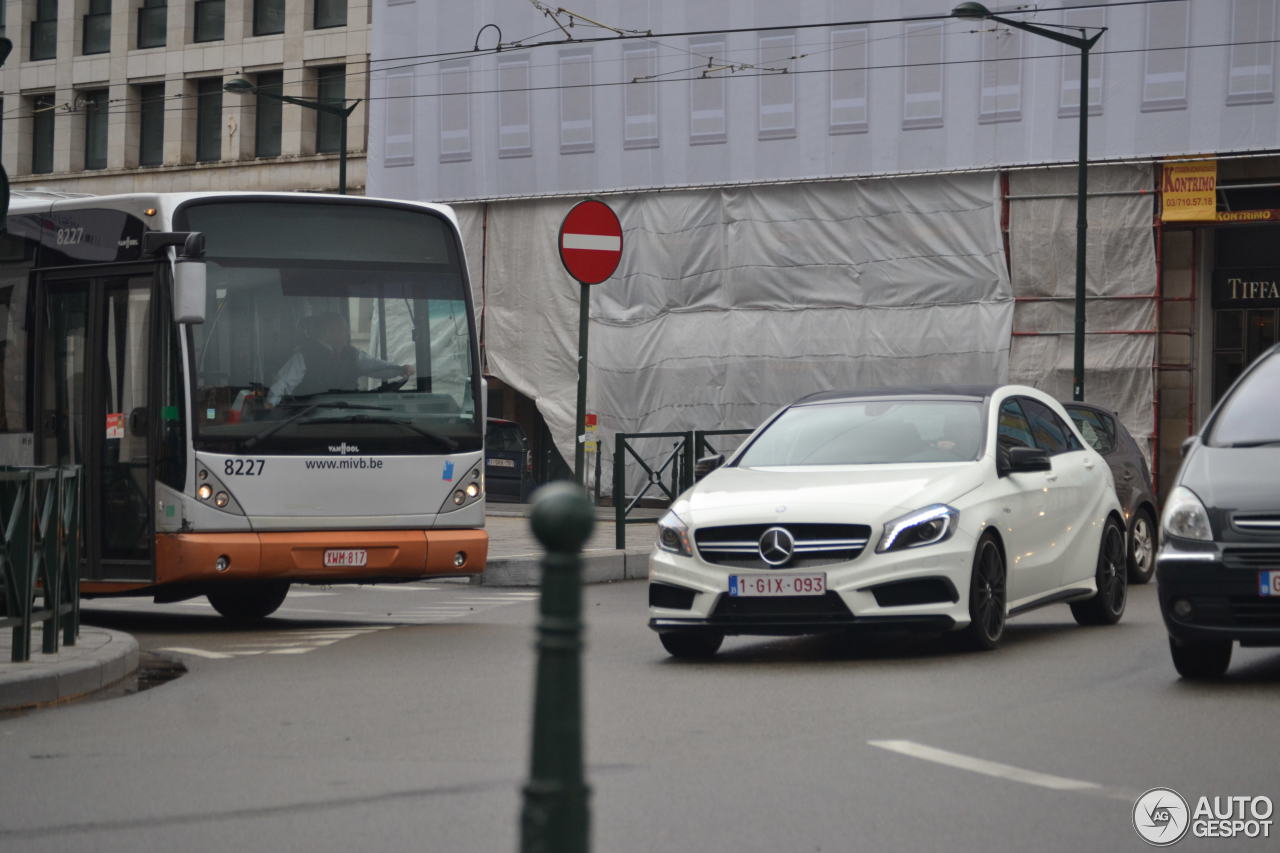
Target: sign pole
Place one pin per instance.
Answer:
(580, 416)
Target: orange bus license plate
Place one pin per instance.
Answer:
(346, 557)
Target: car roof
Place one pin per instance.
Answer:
(959, 392)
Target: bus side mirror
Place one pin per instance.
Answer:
(189, 290)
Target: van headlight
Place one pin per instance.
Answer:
(1185, 516)
(673, 535)
(927, 526)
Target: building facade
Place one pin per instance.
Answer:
(105, 96)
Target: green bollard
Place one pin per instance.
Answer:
(555, 817)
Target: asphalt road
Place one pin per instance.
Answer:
(398, 718)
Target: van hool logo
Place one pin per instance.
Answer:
(344, 448)
(1163, 817)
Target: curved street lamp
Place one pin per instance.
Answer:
(241, 86)
(1082, 43)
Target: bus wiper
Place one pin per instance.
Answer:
(444, 440)
(306, 409)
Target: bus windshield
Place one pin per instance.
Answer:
(331, 328)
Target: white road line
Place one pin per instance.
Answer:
(987, 768)
(200, 653)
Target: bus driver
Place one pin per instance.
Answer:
(326, 361)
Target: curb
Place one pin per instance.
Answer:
(597, 567)
(100, 658)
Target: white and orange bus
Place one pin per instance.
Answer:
(261, 389)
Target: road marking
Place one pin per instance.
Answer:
(987, 768)
(200, 653)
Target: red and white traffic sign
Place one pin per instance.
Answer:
(590, 241)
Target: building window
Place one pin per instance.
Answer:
(708, 122)
(209, 119)
(922, 76)
(1001, 97)
(42, 115)
(776, 87)
(96, 35)
(398, 140)
(153, 21)
(44, 30)
(267, 112)
(151, 125)
(455, 113)
(1090, 20)
(331, 88)
(211, 16)
(639, 97)
(330, 13)
(848, 80)
(268, 17)
(1164, 85)
(515, 136)
(1251, 79)
(95, 129)
(577, 133)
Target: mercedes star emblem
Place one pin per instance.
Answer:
(776, 546)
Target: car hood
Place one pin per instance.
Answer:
(1235, 478)
(845, 493)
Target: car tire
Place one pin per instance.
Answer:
(1200, 660)
(248, 602)
(1142, 547)
(1112, 576)
(691, 645)
(988, 598)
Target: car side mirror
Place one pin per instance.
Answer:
(1188, 443)
(706, 465)
(1027, 459)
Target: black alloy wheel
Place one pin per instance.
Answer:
(1112, 578)
(692, 644)
(1142, 547)
(988, 599)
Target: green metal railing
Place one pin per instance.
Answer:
(669, 475)
(40, 555)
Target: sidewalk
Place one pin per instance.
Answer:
(99, 658)
(102, 657)
(514, 552)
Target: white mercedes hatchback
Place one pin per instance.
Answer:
(935, 509)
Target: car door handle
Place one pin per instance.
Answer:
(1052, 478)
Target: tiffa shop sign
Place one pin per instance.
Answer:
(1246, 288)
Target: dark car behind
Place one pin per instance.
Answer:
(1218, 568)
(508, 465)
(1104, 432)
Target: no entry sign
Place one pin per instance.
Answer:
(590, 241)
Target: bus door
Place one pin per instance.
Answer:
(93, 403)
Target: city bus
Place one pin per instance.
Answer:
(260, 389)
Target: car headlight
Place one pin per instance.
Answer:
(926, 526)
(1185, 516)
(673, 535)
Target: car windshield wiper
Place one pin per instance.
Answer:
(1266, 442)
(443, 440)
(307, 408)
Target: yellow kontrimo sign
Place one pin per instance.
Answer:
(1189, 191)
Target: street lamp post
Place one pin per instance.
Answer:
(1083, 43)
(241, 86)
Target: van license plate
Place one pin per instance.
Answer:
(346, 557)
(1269, 583)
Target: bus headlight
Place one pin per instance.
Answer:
(204, 492)
(466, 489)
(221, 499)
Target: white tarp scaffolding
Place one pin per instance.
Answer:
(1120, 288)
(731, 302)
